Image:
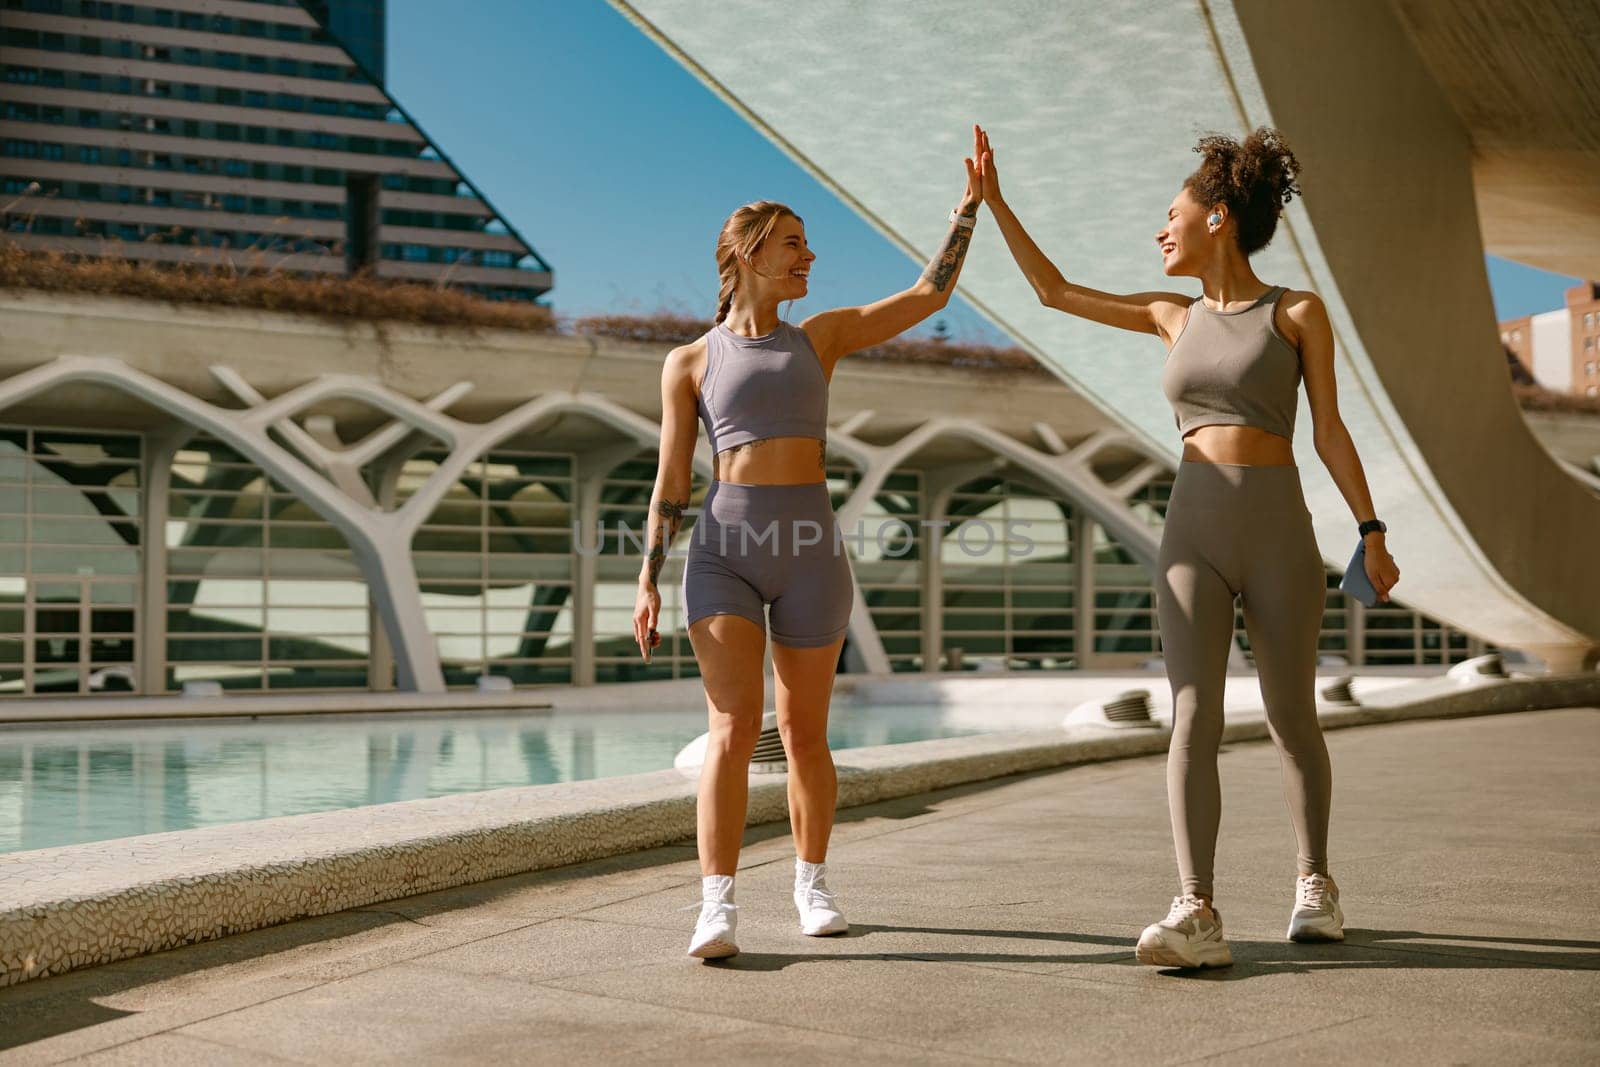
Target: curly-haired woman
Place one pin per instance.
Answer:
(1237, 523)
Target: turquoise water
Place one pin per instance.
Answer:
(69, 785)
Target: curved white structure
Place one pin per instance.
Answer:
(1093, 108)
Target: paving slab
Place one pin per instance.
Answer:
(991, 923)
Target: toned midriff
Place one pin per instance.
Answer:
(774, 461)
(1244, 445)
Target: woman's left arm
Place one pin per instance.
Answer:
(1310, 332)
(837, 333)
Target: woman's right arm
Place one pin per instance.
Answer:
(674, 479)
(1156, 312)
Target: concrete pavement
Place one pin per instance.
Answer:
(992, 922)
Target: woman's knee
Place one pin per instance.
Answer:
(804, 738)
(734, 734)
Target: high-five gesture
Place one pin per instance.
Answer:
(988, 177)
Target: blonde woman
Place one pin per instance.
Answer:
(766, 537)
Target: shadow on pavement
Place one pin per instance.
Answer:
(1362, 950)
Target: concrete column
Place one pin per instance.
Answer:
(380, 650)
(392, 582)
(1083, 529)
(931, 536)
(155, 482)
(589, 474)
(1356, 625)
(938, 485)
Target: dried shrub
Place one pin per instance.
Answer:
(1538, 398)
(662, 328)
(358, 297)
(670, 329)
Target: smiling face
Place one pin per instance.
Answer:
(782, 265)
(1185, 241)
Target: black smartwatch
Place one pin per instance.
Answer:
(1372, 525)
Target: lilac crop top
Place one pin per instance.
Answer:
(756, 388)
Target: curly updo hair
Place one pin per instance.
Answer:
(1255, 178)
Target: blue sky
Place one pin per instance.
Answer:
(619, 167)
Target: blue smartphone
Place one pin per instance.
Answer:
(1355, 581)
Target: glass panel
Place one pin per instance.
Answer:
(48, 499)
(113, 593)
(316, 648)
(86, 561)
(243, 506)
(218, 534)
(214, 620)
(114, 621)
(111, 650)
(55, 650)
(56, 618)
(187, 561)
(200, 649)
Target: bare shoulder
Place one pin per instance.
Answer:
(685, 363)
(1301, 312)
(1169, 312)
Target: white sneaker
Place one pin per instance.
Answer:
(714, 931)
(1317, 915)
(819, 911)
(1190, 936)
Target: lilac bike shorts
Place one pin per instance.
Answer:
(770, 544)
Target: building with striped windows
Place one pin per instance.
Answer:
(255, 133)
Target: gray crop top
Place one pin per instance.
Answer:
(1233, 368)
(755, 388)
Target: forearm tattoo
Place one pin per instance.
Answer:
(671, 512)
(942, 268)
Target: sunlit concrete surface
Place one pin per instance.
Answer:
(990, 924)
(106, 899)
(1093, 109)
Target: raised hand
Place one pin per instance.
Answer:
(988, 176)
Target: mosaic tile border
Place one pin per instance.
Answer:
(83, 905)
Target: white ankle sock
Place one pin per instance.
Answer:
(718, 887)
(808, 873)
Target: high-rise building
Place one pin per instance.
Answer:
(1561, 347)
(250, 132)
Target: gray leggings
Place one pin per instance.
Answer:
(755, 545)
(1241, 531)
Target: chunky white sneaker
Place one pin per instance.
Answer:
(819, 911)
(1190, 936)
(1317, 915)
(714, 931)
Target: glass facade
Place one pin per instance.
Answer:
(246, 134)
(70, 561)
(495, 561)
(261, 594)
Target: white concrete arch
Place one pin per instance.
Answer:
(327, 478)
(1067, 471)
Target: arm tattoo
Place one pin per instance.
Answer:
(671, 512)
(948, 259)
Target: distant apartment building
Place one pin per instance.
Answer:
(250, 132)
(1561, 348)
